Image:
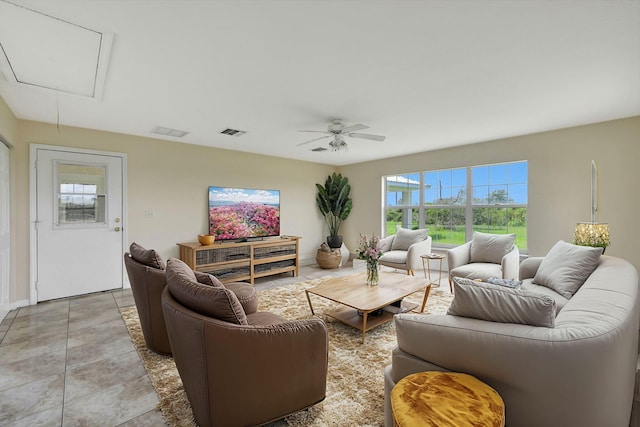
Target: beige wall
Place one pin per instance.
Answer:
(559, 182)
(171, 179)
(9, 134)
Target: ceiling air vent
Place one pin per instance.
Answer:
(233, 132)
(318, 149)
(169, 132)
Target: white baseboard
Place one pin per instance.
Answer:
(20, 303)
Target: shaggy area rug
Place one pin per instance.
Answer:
(355, 381)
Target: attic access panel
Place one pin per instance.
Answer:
(44, 51)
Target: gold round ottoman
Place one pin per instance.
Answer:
(445, 399)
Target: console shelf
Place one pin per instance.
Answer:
(243, 261)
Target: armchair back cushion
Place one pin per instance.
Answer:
(405, 238)
(217, 302)
(566, 267)
(148, 257)
(490, 248)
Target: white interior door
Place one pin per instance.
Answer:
(79, 223)
(5, 236)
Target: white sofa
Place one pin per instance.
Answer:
(579, 373)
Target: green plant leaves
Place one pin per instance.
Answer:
(334, 202)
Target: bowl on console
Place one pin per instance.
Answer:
(206, 239)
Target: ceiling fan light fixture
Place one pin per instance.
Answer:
(338, 144)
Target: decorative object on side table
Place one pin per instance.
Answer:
(206, 239)
(335, 205)
(327, 257)
(369, 250)
(594, 233)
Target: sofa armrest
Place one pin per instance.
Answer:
(458, 256)
(529, 267)
(511, 264)
(414, 252)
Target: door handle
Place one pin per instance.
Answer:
(117, 229)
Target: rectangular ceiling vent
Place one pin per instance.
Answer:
(169, 132)
(233, 132)
(318, 149)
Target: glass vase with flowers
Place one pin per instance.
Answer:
(369, 251)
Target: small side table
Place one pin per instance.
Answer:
(427, 267)
(445, 399)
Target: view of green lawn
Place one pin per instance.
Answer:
(456, 235)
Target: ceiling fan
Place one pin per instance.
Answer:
(337, 130)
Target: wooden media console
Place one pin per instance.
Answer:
(243, 261)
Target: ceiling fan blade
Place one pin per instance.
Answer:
(353, 128)
(367, 136)
(315, 131)
(316, 139)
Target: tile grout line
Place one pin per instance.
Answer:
(66, 354)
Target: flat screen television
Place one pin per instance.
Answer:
(243, 213)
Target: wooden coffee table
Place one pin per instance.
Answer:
(353, 292)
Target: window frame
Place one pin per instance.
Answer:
(469, 205)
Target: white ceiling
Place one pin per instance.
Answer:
(427, 74)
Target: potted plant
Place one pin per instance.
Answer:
(335, 205)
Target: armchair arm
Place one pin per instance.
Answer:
(414, 261)
(511, 264)
(385, 243)
(529, 267)
(458, 256)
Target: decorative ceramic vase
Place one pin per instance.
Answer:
(206, 239)
(372, 273)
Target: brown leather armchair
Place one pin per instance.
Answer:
(240, 368)
(147, 283)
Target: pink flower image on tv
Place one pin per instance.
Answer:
(241, 213)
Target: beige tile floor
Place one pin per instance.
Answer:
(70, 362)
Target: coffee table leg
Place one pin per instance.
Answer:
(364, 324)
(310, 306)
(426, 295)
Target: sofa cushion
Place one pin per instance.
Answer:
(561, 301)
(490, 247)
(148, 257)
(481, 300)
(566, 266)
(405, 238)
(217, 302)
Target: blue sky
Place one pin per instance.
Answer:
(510, 177)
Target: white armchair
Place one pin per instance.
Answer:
(485, 256)
(403, 249)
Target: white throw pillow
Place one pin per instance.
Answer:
(481, 300)
(490, 247)
(405, 238)
(566, 267)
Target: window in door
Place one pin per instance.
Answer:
(81, 198)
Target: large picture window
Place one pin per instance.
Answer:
(452, 203)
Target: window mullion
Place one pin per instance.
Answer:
(468, 217)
